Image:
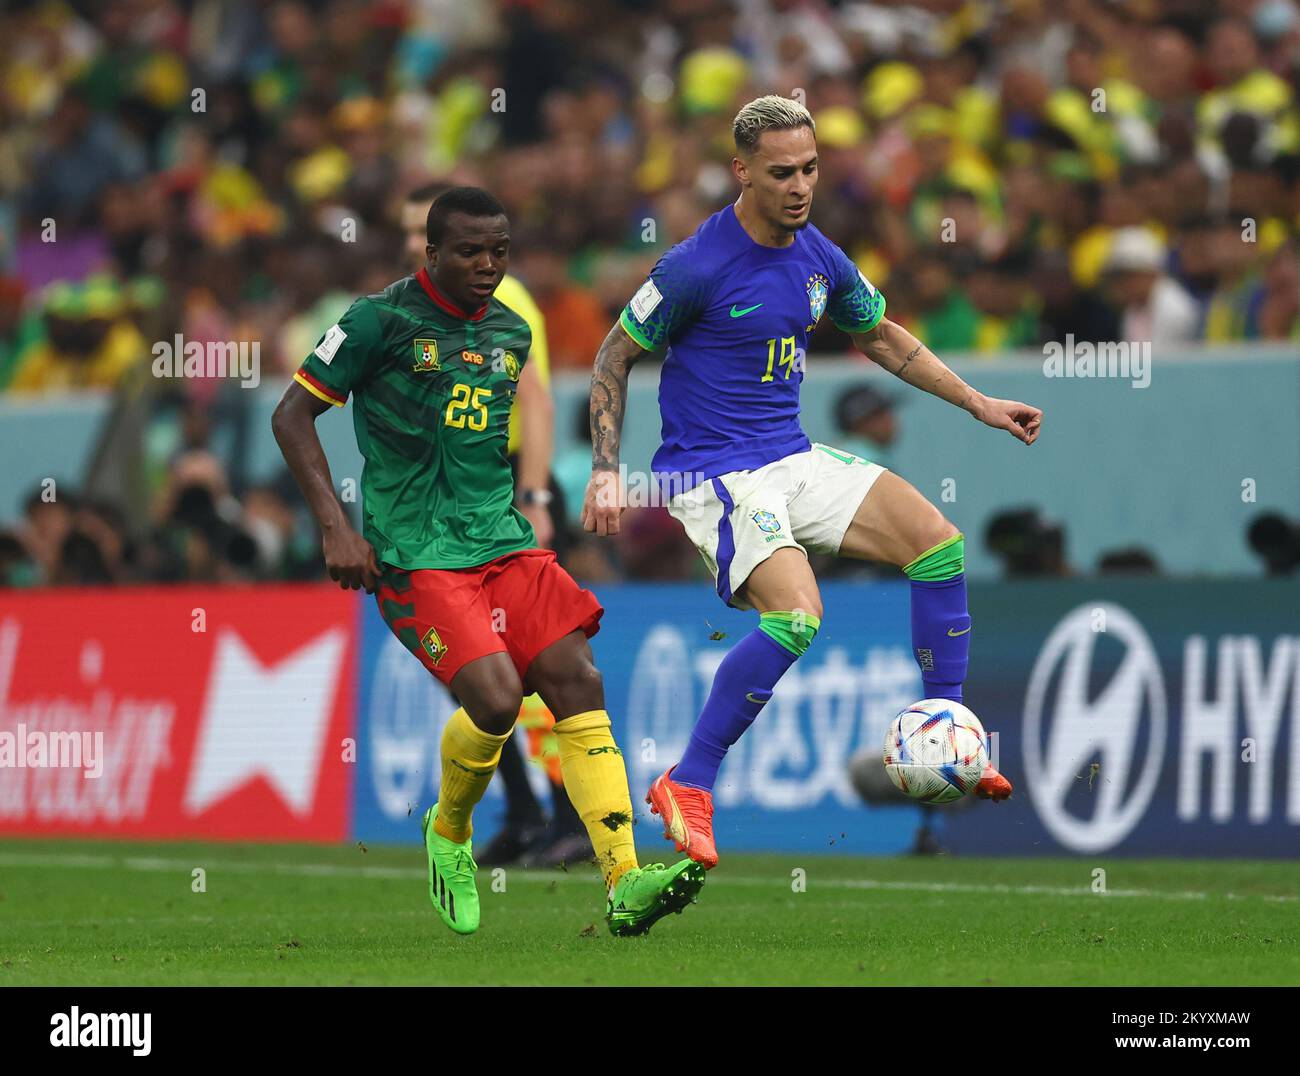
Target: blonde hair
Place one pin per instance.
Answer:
(770, 113)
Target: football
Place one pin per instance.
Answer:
(936, 751)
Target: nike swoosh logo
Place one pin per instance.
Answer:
(954, 634)
(750, 696)
(741, 313)
(676, 824)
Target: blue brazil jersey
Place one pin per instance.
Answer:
(735, 317)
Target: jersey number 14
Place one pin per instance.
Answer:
(788, 352)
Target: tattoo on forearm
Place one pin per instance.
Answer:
(908, 361)
(609, 397)
(883, 344)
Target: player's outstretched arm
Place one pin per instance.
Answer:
(349, 558)
(604, 501)
(903, 355)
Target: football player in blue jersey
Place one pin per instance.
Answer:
(733, 305)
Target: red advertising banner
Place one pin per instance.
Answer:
(200, 712)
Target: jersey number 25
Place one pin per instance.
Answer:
(463, 397)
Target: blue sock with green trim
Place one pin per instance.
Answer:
(940, 622)
(741, 687)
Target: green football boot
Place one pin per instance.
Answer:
(644, 895)
(451, 877)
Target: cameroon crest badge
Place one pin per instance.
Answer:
(432, 643)
(426, 356)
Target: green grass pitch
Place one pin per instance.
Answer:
(119, 913)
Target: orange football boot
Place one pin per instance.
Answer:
(688, 818)
(993, 786)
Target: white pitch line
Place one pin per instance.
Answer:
(329, 870)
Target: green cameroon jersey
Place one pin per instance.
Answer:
(432, 388)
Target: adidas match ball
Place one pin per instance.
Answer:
(936, 751)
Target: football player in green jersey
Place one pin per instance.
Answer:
(525, 836)
(433, 363)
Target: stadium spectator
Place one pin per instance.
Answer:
(945, 315)
(82, 150)
(81, 563)
(1279, 305)
(47, 521)
(95, 550)
(17, 568)
(1275, 539)
(1131, 561)
(283, 551)
(103, 525)
(865, 417)
(1067, 310)
(1008, 317)
(1028, 544)
(1152, 305)
(1244, 86)
(86, 341)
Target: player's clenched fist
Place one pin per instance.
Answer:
(350, 560)
(603, 503)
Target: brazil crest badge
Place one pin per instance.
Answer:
(818, 292)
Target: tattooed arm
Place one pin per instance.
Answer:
(891, 346)
(604, 501)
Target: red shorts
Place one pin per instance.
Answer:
(518, 604)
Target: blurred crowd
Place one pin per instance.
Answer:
(198, 526)
(1009, 172)
(201, 527)
(203, 524)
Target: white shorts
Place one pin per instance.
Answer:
(741, 518)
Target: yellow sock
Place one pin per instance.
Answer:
(596, 781)
(469, 759)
